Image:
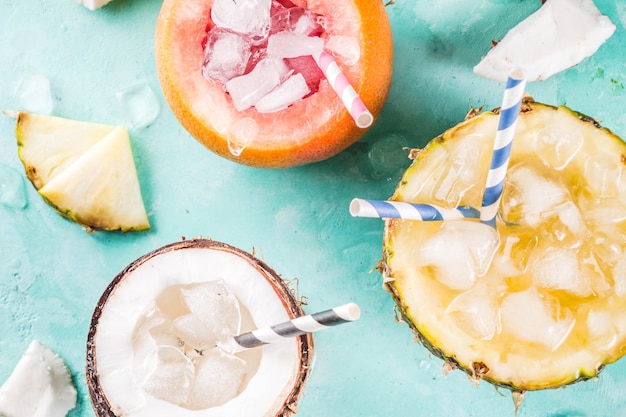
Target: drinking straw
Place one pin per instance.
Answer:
(410, 211)
(509, 112)
(344, 90)
(298, 326)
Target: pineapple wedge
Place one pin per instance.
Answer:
(85, 170)
(547, 307)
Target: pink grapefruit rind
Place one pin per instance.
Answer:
(311, 130)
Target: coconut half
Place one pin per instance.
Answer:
(272, 376)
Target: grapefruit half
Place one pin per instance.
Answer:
(312, 129)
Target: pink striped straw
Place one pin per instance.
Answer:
(344, 90)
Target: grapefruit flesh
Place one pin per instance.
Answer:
(312, 129)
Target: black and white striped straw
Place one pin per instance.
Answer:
(299, 326)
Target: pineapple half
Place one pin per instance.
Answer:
(547, 306)
(86, 171)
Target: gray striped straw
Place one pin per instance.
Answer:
(298, 326)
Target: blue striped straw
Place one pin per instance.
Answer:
(409, 211)
(509, 112)
(298, 326)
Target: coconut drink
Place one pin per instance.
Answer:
(159, 340)
(543, 304)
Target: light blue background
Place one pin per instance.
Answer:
(52, 272)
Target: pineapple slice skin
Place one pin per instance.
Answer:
(398, 283)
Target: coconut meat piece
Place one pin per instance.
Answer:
(39, 386)
(556, 37)
(278, 363)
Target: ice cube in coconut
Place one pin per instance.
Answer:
(215, 306)
(248, 17)
(536, 318)
(171, 375)
(459, 253)
(226, 55)
(193, 333)
(218, 379)
(246, 90)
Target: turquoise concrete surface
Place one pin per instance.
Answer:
(52, 272)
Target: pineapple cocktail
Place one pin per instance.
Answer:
(543, 302)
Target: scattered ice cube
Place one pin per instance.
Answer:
(215, 306)
(34, 95)
(388, 156)
(529, 196)
(294, 19)
(291, 45)
(603, 173)
(246, 90)
(346, 47)
(556, 147)
(248, 17)
(193, 333)
(536, 318)
(172, 375)
(460, 252)
(218, 379)
(477, 311)
(226, 55)
(283, 96)
(12, 191)
(139, 105)
(559, 269)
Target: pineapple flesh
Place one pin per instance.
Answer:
(86, 171)
(542, 302)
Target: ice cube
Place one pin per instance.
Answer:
(387, 156)
(171, 377)
(607, 244)
(458, 177)
(603, 174)
(283, 96)
(460, 252)
(559, 269)
(193, 333)
(215, 306)
(601, 328)
(536, 318)
(218, 379)
(477, 311)
(294, 19)
(247, 89)
(517, 246)
(619, 277)
(604, 212)
(226, 55)
(33, 94)
(292, 45)
(346, 47)
(139, 105)
(248, 17)
(12, 192)
(530, 196)
(556, 147)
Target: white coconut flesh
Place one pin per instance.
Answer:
(558, 36)
(39, 386)
(147, 368)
